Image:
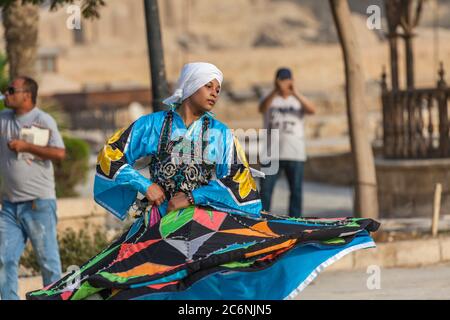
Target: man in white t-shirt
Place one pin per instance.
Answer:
(284, 110)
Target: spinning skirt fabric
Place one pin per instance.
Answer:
(198, 253)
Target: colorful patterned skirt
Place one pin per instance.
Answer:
(197, 253)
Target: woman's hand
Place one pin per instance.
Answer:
(155, 194)
(178, 201)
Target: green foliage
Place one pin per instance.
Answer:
(55, 110)
(89, 8)
(75, 248)
(72, 170)
(3, 77)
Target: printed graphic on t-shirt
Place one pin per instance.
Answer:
(286, 116)
(281, 118)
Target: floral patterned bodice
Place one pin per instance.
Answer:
(179, 165)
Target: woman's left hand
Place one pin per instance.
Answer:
(178, 201)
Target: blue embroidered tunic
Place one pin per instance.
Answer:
(204, 158)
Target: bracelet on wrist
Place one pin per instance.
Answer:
(190, 197)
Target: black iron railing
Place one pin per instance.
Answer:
(416, 122)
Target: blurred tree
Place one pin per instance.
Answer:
(21, 34)
(74, 169)
(21, 24)
(160, 88)
(366, 198)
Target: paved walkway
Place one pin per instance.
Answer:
(319, 199)
(432, 282)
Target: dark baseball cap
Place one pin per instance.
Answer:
(283, 73)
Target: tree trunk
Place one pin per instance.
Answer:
(160, 88)
(366, 200)
(21, 23)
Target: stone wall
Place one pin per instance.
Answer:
(80, 213)
(331, 169)
(399, 254)
(406, 187)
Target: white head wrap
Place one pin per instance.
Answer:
(194, 76)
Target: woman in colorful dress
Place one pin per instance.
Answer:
(203, 234)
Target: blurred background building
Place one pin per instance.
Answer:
(100, 74)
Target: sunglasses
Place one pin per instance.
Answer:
(12, 90)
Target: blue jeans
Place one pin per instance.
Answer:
(19, 221)
(294, 174)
